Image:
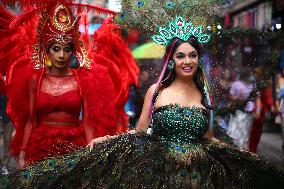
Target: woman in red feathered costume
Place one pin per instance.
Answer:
(46, 96)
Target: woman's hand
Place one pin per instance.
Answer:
(215, 140)
(106, 137)
(21, 160)
(97, 140)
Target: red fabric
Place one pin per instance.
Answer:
(267, 100)
(266, 103)
(122, 68)
(100, 115)
(227, 20)
(248, 19)
(132, 36)
(113, 71)
(255, 133)
(5, 18)
(18, 107)
(46, 141)
(16, 45)
(68, 102)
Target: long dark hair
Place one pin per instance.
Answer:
(170, 75)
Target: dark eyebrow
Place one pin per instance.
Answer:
(56, 46)
(179, 53)
(193, 52)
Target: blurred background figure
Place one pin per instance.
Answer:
(131, 107)
(7, 127)
(223, 86)
(240, 125)
(280, 98)
(95, 24)
(144, 81)
(264, 105)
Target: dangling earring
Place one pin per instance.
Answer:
(47, 61)
(171, 65)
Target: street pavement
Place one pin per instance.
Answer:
(270, 146)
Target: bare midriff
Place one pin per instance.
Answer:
(59, 119)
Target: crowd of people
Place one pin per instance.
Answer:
(246, 126)
(67, 105)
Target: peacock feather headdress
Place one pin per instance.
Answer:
(148, 16)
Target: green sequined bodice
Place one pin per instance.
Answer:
(173, 123)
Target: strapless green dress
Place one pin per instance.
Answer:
(174, 155)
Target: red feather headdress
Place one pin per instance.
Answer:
(58, 26)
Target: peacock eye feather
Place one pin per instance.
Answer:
(52, 163)
(170, 4)
(27, 174)
(70, 164)
(139, 4)
(122, 16)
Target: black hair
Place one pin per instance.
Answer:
(169, 75)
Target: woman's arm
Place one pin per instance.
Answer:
(210, 135)
(32, 120)
(87, 123)
(144, 119)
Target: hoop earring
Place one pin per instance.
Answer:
(171, 65)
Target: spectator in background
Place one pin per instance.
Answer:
(248, 53)
(239, 126)
(143, 83)
(223, 96)
(7, 127)
(95, 24)
(264, 104)
(131, 107)
(279, 101)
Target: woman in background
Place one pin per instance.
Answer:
(240, 125)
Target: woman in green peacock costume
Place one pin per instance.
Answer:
(178, 150)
